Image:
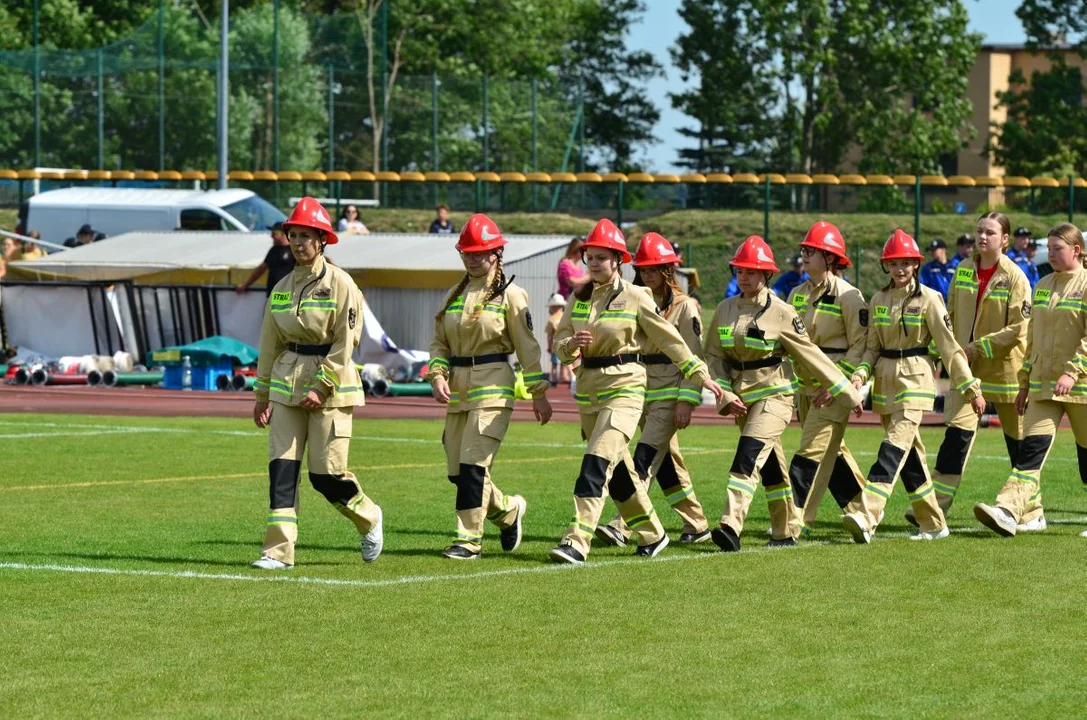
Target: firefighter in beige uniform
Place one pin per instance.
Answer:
(905, 316)
(744, 345)
(311, 328)
(485, 317)
(989, 306)
(836, 316)
(1052, 381)
(608, 324)
(669, 398)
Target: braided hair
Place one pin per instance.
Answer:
(496, 286)
(672, 291)
(914, 293)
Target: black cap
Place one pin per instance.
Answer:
(86, 228)
(276, 226)
(936, 244)
(1033, 242)
(1022, 231)
(798, 259)
(966, 239)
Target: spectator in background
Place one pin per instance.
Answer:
(571, 274)
(278, 263)
(733, 288)
(1020, 256)
(555, 307)
(790, 279)
(350, 223)
(85, 236)
(442, 226)
(965, 248)
(12, 250)
(937, 272)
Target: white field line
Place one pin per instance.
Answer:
(369, 438)
(542, 569)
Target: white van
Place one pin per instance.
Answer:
(58, 214)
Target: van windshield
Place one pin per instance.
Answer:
(255, 213)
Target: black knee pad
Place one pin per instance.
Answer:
(1013, 448)
(470, 487)
(802, 472)
(622, 484)
(643, 459)
(772, 473)
(590, 481)
(953, 450)
(913, 471)
(747, 454)
(1032, 450)
(667, 477)
(843, 483)
(283, 483)
(333, 487)
(1081, 455)
(886, 465)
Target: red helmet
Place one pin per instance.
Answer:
(480, 234)
(654, 250)
(606, 235)
(826, 237)
(900, 246)
(309, 213)
(755, 254)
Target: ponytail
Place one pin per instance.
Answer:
(496, 286)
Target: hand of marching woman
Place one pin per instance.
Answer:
(262, 414)
(978, 404)
(312, 401)
(683, 414)
(1064, 385)
(581, 339)
(541, 408)
(823, 399)
(440, 389)
(1021, 401)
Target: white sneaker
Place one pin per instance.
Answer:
(930, 535)
(372, 542)
(1038, 524)
(269, 563)
(996, 519)
(855, 525)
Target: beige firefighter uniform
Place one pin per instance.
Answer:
(745, 345)
(611, 391)
(836, 316)
(473, 339)
(657, 454)
(312, 325)
(1056, 345)
(902, 323)
(995, 329)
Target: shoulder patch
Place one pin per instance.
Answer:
(351, 318)
(798, 325)
(863, 313)
(947, 321)
(528, 319)
(697, 326)
(1026, 309)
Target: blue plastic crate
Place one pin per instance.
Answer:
(203, 376)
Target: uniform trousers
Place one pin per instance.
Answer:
(1040, 424)
(657, 455)
(607, 467)
(759, 456)
(824, 462)
(327, 434)
(471, 441)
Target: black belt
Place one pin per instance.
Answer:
(595, 363)
(472, 360)
(828, 351)
(755, 364)
(655, 359)
(899, 354)
(309, 349)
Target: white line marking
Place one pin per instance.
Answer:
(424, 579)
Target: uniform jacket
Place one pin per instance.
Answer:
(836, 316)
(666, 382)
(1057, 337)
(996, 328)
(317, 304)
(762, 328)
(504, 325)
(1026, 265)
(937, 276)
(895, 324)
(623, 319)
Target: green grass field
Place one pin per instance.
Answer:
(164, 617)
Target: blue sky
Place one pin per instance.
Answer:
(661, 25)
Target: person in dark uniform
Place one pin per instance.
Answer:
(442, 225)
(278, 263)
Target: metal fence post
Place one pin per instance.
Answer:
(275, 93)
(486, 135)
(535, 153)
(436, 158)
(1072, 199)
(766, 209)
(162, 89)
(917, 209)
(331, 124)
(101, 113)
(37, 91)
(619, 204)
